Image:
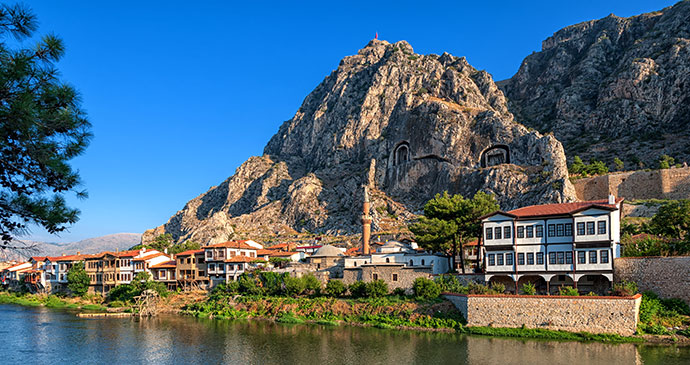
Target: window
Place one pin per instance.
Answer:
(530, 231)
(561, 257)
(395, 277)
(521, 232)
(500, 259)
(374, 276)
(540, 230)
(568, 229)
(497, 233)
(506, 232)
(530, 258)
(552, 230)
(422, 262)
(388, 260)
(604, 256)
(411, 264)
(540, 258)
(239, 267)
(489, 234)
(580, 228)
(601, 227)
(521, 258)
(492, 259)
(592, 256)
(509, 258)
(581, 259)
(211, 267)
(560, 232)
(590, 228)
(552, 258)
(569, 257)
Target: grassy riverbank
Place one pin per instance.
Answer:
(50, 301)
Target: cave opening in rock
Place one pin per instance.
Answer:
(402, 153)
(495, 155)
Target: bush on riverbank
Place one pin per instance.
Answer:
(662, 316)
(49, 301)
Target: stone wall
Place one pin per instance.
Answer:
(405, 275)
(575, 314)
(669, 277)
(657, 184)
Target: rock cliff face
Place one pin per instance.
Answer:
(407, 125)
(613, 87)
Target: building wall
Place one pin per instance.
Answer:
(658, 184)
(666, 276)
(406, 275)
(591, 314)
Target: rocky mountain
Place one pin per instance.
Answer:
(406, 125)
(111, 242)
(613, 87)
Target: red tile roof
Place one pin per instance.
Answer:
(165, 265)
(243, 259)
(560, 209)
(130, 253)
(71, 257)
(264, 252)
(233, 244)
(37, 258)
(13, 266)
(282, 254)
(149, 257)
(190, 252)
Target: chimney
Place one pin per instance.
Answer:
(612, 199)
(366, 223)
(78, 252)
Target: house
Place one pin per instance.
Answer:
(148, 258)
(226, 261)
(553, 245)
(63, 265)
(11, 276)
(110, 269)
(165, 273)
(191, 269)
(328, 258)
(308, 250)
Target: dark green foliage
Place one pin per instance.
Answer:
(78, 280)
(294, 286)
(186, 246)
(499, 288)
(376, 289)
(358, 289)
(548, 334)
(449, 221)
(335, 288)
(248, 285)
(618, 163)
(312, 285)
(673, 220)
(594, 167)
(666, 161)
(42, 128)
(141, 282)
(426, 289)
(676, 305)
(577, 167)
(656, 314)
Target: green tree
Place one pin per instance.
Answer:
(577, 167)
(673, 220)
(451, 220)
(335, 288)
(42, 127)
(596, 167)
(426, 288)
(376, 288)
(186, 246)
(666, 161)
(619, 164)
(78, 280)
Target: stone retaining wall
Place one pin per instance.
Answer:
(404, 276)
(617, 315)
(668, 277)
(671, 183)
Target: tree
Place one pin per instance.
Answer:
(666, 161)
(335, 288)
(186, 246)
(450, 220)
(577, 167)
(618, 163)
(42, 127)
(78, 280)
(673, 220)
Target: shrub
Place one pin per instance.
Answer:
(358, 289)
(568, 291)
(116, 304)
(528, 289)
(248, 285)
(425, 288)
(676, 305)
(311, 284)
(476, 288)
(376, 288)
(399, 292)
(450, 283)
(618, 163)
(294, 286)
(499, 288)
(625, 289)
(335, 288)
(666, 161)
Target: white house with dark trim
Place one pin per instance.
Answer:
(553, 245)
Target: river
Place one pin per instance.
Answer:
(37, 335)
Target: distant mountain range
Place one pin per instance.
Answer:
(111, 242)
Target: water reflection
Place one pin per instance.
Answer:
(41, 335)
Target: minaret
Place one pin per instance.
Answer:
(366, 223)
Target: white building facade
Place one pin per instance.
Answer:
(553, 245)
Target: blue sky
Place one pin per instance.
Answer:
(181, 93)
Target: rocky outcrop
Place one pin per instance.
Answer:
(407, 125)
(613, 87)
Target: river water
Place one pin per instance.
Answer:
(47, 336)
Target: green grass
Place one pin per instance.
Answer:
(543, 334)
(94, 307)
(289, 318)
